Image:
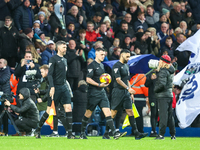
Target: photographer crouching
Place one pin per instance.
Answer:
(163, 92)
(28, 73)
(28, 112)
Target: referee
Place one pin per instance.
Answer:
(97, 94)
(59, 90)
(122, 93)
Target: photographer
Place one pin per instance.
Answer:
(5, 88)
(25, 80)
(163, 92)
(28, 111)
(42, 91)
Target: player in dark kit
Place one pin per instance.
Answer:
(97, 94)
(122, 93)
(59, 90)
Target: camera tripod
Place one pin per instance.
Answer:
(11, 119)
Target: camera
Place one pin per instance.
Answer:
(7, 96)
(30, 75)
(153, 63)
(28, 61)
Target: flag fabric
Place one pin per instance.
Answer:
(188, 105)
(137, 64)
(192, 44)
(52, 113)
(126, 120)
(187, 72)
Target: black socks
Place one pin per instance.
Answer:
(84, 124)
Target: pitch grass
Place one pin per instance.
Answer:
(97, 143)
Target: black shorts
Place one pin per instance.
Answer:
(61, 95)
(97, 97)
(120, 98)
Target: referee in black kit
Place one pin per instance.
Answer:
(97, 94)
(122, 92)
(59, 90)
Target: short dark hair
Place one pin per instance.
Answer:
(99, 49)
(108, 6)
(60, 43)
(125, 51)
(28, 52)
(82, 31)
(150, 6)
(168, 38)
(103, 23)
(123, 22)
(8, 17)
(179, 34)
(140, 13)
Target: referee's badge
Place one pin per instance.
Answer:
(90, 70)
(115, 70)
(50, 65)
(152, 104)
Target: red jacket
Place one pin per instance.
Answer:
(13, 86)
(92, 36)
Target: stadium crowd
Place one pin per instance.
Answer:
(29, 30)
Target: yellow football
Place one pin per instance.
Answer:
(105, 78)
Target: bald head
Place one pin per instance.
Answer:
(74, 10)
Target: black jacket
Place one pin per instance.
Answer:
(74, 63)
(28, 108)
(22, 18)
(54, 22)
(20, 73)
(176, 18)
(8, 42)
(23, 42)
(107, 42)
(150, 84)
(164, 82)
(5, 80)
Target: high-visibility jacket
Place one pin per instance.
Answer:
(13, 86)
(139, 87)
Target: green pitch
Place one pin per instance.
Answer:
(97, 143)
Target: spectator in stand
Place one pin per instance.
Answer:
(106, 35)
(91, 34)
(152, 45)
(116, 53)
(181, 57)
(81, 8)
(176, 15)
(69, 5)
(116, 43)
(177, 30)
(37, 7)
(151, 17)
(56, 19)
(20, 72)
(141, 43)
(167, 4)
(117, 9)
(74, 61)
(48, 53)
(36, 56)
(24, 16)
(25, 40)
(127, 42)
(72, 33)
(63, 36)
(134, 9)
(164, 33)
(108, 23)
(195, 5)
(123, 31)
(163, 19)
(189, 18)
(73, 16)
(183, 26)
(49, 6)
(44, 26)
(9, 42)
(168, 48)
(92, 54)
(5, 11)
(97, 20)
(166, 12)
(107, 11)
(90, 8)
(140, 22)
(128, 19)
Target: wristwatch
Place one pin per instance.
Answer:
(127, 88)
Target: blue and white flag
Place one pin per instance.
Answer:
(137, 64)
(185, 73)
(188, 105)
